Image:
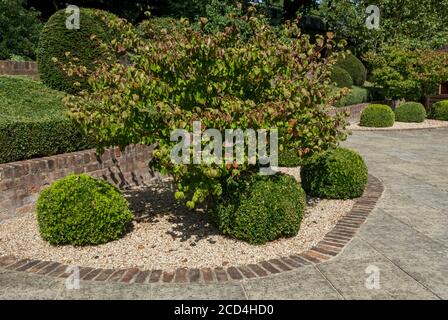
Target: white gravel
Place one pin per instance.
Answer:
(166, 236)
(427, 124)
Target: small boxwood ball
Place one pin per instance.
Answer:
(410, 112)
(335, 174)
(377, 115)
(261, 209)
(80, 210)
(439, 111)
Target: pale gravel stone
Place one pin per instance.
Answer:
(167, 236)
(427, 124)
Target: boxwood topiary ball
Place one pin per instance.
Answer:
(341, 77)
(377, 115)
(410, 112)
(355, 69)
(261, 209)
(56, 40)
(336, 174)
(81, 210)
(439, 111)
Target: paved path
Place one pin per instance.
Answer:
(406, 238)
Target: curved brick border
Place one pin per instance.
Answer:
(330, 246)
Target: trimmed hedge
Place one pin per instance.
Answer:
(439, 111)
(33, 122)
(357, 95)
(355, 69)
(377, 115)
(410, 112)
(56, 40)
(80, 210)
(336, 174)
(261, 209)
(341, 77)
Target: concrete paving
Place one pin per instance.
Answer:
(401, 252)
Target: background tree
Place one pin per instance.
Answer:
(19, 30)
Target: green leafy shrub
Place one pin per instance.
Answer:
(341, 77)
(439, 111)
(157, 27)
(289, 158)
(375, 93)
(409, 74)
(377, 115)
(80, 210)
(336, 173)
(223, 79)
(56, 41)
(33, 122)
(19, 30)
(357, 95)
(355, 69)
(410, 112)
(261, 209)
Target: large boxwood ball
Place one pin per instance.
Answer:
(341, 77)
(81, 210)
(335, 174)
(410, 112)
(56, 40)
(439, 111)
(261, 209)
(355, 69)
(377, 115)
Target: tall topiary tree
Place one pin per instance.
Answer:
(58, 45)
(221, 79)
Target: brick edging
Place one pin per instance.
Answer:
(371, 129)
(330, 246)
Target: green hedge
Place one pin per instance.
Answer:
(56, 40)
(261, 209)
(355, 69)
(336, 173)
(439, 111)
(410, 112)
(377, 115)
(289, 158)
(341, 77)
(357, 95)
(33, 122)
(81, 210)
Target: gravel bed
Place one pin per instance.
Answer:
(167, 236)
(427, 124)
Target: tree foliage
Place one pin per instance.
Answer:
(267, 81)
(19, 29)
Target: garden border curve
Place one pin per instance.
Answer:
(330, 246)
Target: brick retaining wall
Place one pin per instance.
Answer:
(354, 110)
(15, 68)
(21, 182)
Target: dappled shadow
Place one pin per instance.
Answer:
(150, 203)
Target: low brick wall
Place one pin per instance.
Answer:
(354, 110)
(21, 182)
(16, 68)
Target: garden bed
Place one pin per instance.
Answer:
(166, 236)
(427, 124)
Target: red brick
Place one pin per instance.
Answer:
(91, 275)
(104, 275)
(246, 272)
(277, 263)
(194, 275)
(142, 277)
(258, 270)
(129, 275)
(168, 276)
(220, 274)
(207, 274)
(116, 276)
(181, 275)
(269, 267)
(234, 273)
(155, 276)
(7, 261)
